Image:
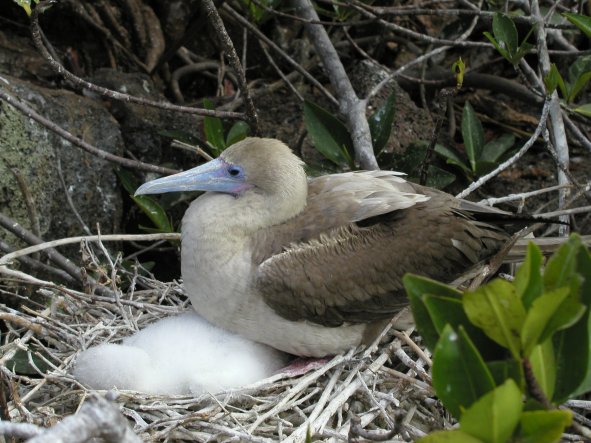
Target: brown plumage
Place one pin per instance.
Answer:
(310, 266)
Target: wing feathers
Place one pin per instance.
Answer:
(329, 265)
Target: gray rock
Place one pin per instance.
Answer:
(32, 151)
(410, 124)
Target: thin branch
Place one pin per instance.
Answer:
(482, 180)
(350, 105)
(115, 95)
(582, 138)
(97, 418)
(104, 155)
(240, 19)
(224, 39)
(36, 264)
(512, 197)
(89, 238)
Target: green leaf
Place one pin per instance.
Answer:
(444, 311)
(20, 363)
(562, 265)
(483, 167)
(472, 134)
(459, 69)
(582, 22)
(496, 308)
(578, 75)
(494, 417)
(573, 345)
(436, 178)
(584, 110)
(380, 124)
(580, 66)
(453, 436)
(501, 370)
(452, 157)
(584, 270)
(500, 48)
(147, 204)
(497, 147)
(154, 211)
(416, 287)
(26, 5)
(544, 367)
(238, 131)
(214, 130)
(579, 84)
(551, 79)
(528, 279)
(538, 325)
(449, 311)
(329, 135)
(544, 426)
(505, 32)
(460, 376)
(525, 47)
(573, 360)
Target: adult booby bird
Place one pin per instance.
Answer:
(314, 267)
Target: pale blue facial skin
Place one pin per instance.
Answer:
(216, 175)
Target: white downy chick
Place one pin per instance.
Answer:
(178, 355)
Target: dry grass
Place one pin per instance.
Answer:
(386, 387)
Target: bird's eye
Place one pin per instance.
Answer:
(234, 171)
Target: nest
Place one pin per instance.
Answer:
(371, 394)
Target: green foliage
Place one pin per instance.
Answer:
(506, 39)
(539, 321)
(579, 75)
(459, 69)
(582, 22)
(149, 205)
(331, 137)
(259, 14)
(28, 363)
(482, 157)
(380, 125)
(26, 4)
(579, 72)
(214, 132)
(411, 160)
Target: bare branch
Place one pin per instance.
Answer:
(350, 105)
(126, 162)
(97, 418)
(482, 180)
(224, 39)
(115, 95)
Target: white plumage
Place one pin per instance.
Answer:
(178, 355)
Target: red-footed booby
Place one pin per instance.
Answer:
(314, 267)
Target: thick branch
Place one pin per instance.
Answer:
(349, 104)
(556, 124)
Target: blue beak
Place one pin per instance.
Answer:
(216, 175)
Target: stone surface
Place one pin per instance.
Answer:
(32, 151)
(411, 123)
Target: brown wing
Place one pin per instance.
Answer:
(330, 265)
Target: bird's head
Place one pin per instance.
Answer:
(262, 167)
